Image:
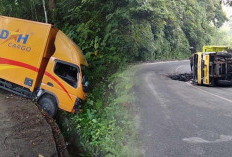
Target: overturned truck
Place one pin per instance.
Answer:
(212, 66)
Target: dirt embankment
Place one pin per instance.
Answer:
(24, 130)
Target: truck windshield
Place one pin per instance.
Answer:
(67, 72)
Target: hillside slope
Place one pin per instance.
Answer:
(24, 130)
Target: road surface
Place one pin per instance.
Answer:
(179, 119)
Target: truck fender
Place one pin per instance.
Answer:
(42, 93)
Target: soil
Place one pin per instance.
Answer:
(25, 131)
(61, 146)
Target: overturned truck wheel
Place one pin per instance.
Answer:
(48, 104)
(224, 83)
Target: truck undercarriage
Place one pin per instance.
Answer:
(221, 66)
(16, 89)
(212, 68)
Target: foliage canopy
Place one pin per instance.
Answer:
(127, 30)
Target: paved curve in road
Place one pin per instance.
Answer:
(179, 119)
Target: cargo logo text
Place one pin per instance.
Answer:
(15, 39)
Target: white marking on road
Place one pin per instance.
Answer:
(179, 68)
(218, 96)
(162, 62)
(196, 140)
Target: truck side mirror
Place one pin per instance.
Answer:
(83, 80)
(86, 87)
(86, 84)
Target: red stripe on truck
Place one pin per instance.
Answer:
(17, 63)
(58, 82)
(30, 67)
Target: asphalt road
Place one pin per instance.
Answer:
(179, 119)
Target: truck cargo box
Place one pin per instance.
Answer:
(25, 47)
(40, 62)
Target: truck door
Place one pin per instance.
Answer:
(62, 80)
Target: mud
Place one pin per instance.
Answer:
(61, 146)
(181, 77)
(24, 130)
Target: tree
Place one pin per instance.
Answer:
(45, 11)
(112, 31)
(227, 2)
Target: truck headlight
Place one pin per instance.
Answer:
(78, 104)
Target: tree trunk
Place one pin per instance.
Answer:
(45, 11)
(52, 5)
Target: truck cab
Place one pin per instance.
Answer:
(63, 78)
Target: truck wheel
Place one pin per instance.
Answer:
(224, 83)
(48, 104)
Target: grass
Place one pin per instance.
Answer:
(107, 126)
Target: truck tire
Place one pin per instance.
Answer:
(224, 83)
(48, 104)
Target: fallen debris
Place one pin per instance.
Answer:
(189, 77)
(181, 77)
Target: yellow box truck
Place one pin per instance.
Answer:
(40, 62)
(213, 66)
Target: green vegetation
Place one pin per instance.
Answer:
(106, 127)
(116, 32)
(222, 37)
